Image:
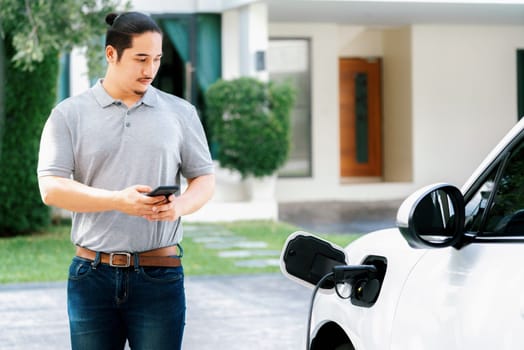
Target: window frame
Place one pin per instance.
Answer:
(499, 164)
(309, 172)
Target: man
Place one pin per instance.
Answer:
(101, 152)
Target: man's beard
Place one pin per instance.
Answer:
(142, 92)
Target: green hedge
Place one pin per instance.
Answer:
(29, 98)
(250, 124)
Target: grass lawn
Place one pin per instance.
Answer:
(46, 256)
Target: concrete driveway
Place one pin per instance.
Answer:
(255, 312)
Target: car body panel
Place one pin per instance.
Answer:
(463, 299)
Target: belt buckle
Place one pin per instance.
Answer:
(126, 254)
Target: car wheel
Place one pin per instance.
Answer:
(331, 337)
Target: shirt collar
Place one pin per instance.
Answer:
(105, 100)
(150, 97)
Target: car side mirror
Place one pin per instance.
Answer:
(432, 217)
(307, 258)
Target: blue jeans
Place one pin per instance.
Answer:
(107, 305)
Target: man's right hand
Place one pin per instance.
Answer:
(133, 201)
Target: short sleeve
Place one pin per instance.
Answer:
(56, 151)
(196, 158)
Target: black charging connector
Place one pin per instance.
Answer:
(350, 273)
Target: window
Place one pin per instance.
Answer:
(520, 83)
(497, 209)
(288, 60)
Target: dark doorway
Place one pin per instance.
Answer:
(191, 59)
(170, 76)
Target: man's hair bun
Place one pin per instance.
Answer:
(110, 18)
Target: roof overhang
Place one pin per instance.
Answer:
(397, 13)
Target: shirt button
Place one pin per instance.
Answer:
(128, 124)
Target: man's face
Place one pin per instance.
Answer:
(139, 64)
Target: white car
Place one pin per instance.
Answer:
(450, 276)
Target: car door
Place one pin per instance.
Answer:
(473, 297)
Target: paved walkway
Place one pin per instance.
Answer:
(340, 216)
(244, 252)
(260, 312)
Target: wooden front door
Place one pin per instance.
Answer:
(360, 117)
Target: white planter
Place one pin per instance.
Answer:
(261, 188)
(229, 185)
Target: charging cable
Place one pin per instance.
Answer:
(339, 274)
(315, 291)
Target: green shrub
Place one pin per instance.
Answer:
(249, 122)
(29, 98)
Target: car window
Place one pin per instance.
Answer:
(497, 208)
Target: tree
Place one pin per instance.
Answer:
(33, 33)
(2, 93)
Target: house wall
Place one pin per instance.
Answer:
(329, 42)
(397, 105)
(464, 96)
(231, 41)
(449, 95)
(356, 41)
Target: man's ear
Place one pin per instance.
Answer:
(111, 54)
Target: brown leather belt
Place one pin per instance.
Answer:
(162, 257)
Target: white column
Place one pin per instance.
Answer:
(244, 39)
(253, 35)
(79, 77)
(230, 45)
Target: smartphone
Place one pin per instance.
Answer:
(163, 191)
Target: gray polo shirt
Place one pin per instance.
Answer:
(100, 142)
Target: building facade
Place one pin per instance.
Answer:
(386, 92)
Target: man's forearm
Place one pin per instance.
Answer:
(199, 192)
(73, 196)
